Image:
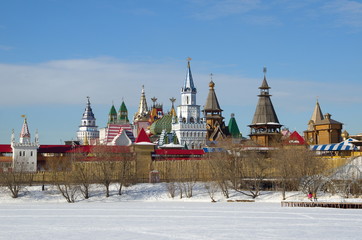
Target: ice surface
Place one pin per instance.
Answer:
(146, 212)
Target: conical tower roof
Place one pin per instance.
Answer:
(88, 112)
(212, 104)
(25, 134)
(189, 82)
(113, 110)
(264, 84)
(142, 113)
(112, 116)
(317, 115)
(233, 127)
(264, 112)
(123, 107)
(123, 112)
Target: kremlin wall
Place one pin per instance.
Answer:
(183, 136)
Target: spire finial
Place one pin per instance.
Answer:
(188, 61)
(264, 71)
(211, 84)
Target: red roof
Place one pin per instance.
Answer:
(142, 137)
(6, 148)
(294, 139)
(179, 152)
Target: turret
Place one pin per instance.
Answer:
(88, 128)
(123, 114)
(112, 116)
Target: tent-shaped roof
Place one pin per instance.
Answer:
(212, 104)
(233, 127)
(294, 139)
(142, 137)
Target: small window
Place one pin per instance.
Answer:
(20, 153)
(31, 153)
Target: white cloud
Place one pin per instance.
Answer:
(213, 9)
(68, 82)
(346, 12)
(107, 79)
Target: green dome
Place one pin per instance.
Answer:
(163, 123)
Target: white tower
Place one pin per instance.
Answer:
(88, 130)
(189, 127)
(24, 152)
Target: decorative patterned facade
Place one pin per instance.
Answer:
(119, 131)
(88, 130)
(189, 127)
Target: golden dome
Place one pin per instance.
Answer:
(211, 84)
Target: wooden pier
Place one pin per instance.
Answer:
(346, 205)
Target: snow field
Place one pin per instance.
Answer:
(146, 212)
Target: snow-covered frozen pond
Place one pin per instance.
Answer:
(175, 220)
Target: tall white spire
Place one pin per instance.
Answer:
(189, 126)
(188, 91)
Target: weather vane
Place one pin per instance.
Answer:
(211, 76)
(264, 70)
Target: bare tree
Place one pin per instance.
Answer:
(63, 177)
(211, 188)
(291, 164)
(256, 166)
(125, 169)
(83, 176)
(15, 181)
(106, 158)
(219, 171)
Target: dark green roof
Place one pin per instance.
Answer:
(233, 128)
(113, 111)
(123, 107)
(123, 112)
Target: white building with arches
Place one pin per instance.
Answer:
(189, 126)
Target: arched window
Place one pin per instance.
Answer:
(192, 120)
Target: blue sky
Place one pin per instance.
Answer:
(54, 53)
